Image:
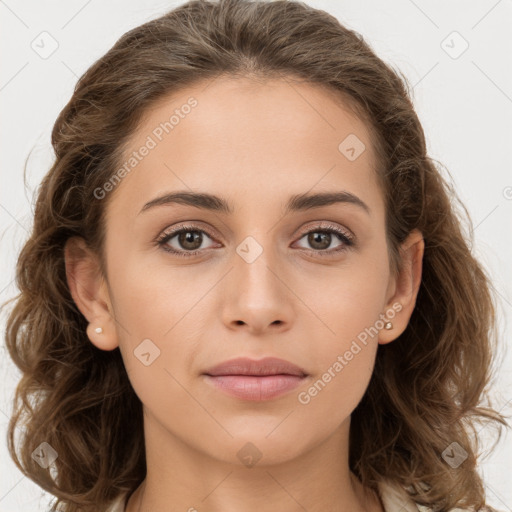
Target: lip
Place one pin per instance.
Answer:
(255, 380)
(256, 367)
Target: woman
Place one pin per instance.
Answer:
(247, 287)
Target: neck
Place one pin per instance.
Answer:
(182, 478)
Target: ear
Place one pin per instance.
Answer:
(90, 292)
(403, 288)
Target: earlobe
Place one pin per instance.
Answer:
(101, 338)
(90, 294)
(406, 286)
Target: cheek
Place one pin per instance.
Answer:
(344, 301)
(149, 300)
(341, 384)
(159, 311)
(344, 352)
(332, 396)
(345, 304)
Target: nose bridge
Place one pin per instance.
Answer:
(256, 263)
(257, 294)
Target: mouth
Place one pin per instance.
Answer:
(255, 380)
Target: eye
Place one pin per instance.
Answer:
(321, 238)
(189, 241)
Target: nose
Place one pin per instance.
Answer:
(256, 296)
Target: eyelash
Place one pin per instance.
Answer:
(343, 236)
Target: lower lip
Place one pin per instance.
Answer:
(250, 387)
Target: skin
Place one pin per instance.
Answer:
(255, 144)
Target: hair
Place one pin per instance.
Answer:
(427, 388)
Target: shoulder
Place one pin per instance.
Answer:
(119, 504)
(396, 499)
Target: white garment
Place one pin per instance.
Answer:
(394, 498)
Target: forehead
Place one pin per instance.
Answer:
(239, 137)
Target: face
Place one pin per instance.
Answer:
(191, 284)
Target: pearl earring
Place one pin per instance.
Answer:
(388, 325)
(99, 330)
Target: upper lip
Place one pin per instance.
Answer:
(258, 367)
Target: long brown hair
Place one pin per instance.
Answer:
(427, 389)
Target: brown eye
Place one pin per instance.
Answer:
(319, 240)
(184, 241)
(190, 240)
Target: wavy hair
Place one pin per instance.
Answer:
(428, 385)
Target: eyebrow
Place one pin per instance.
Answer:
(298, 202)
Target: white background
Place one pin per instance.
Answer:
(464, 103)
